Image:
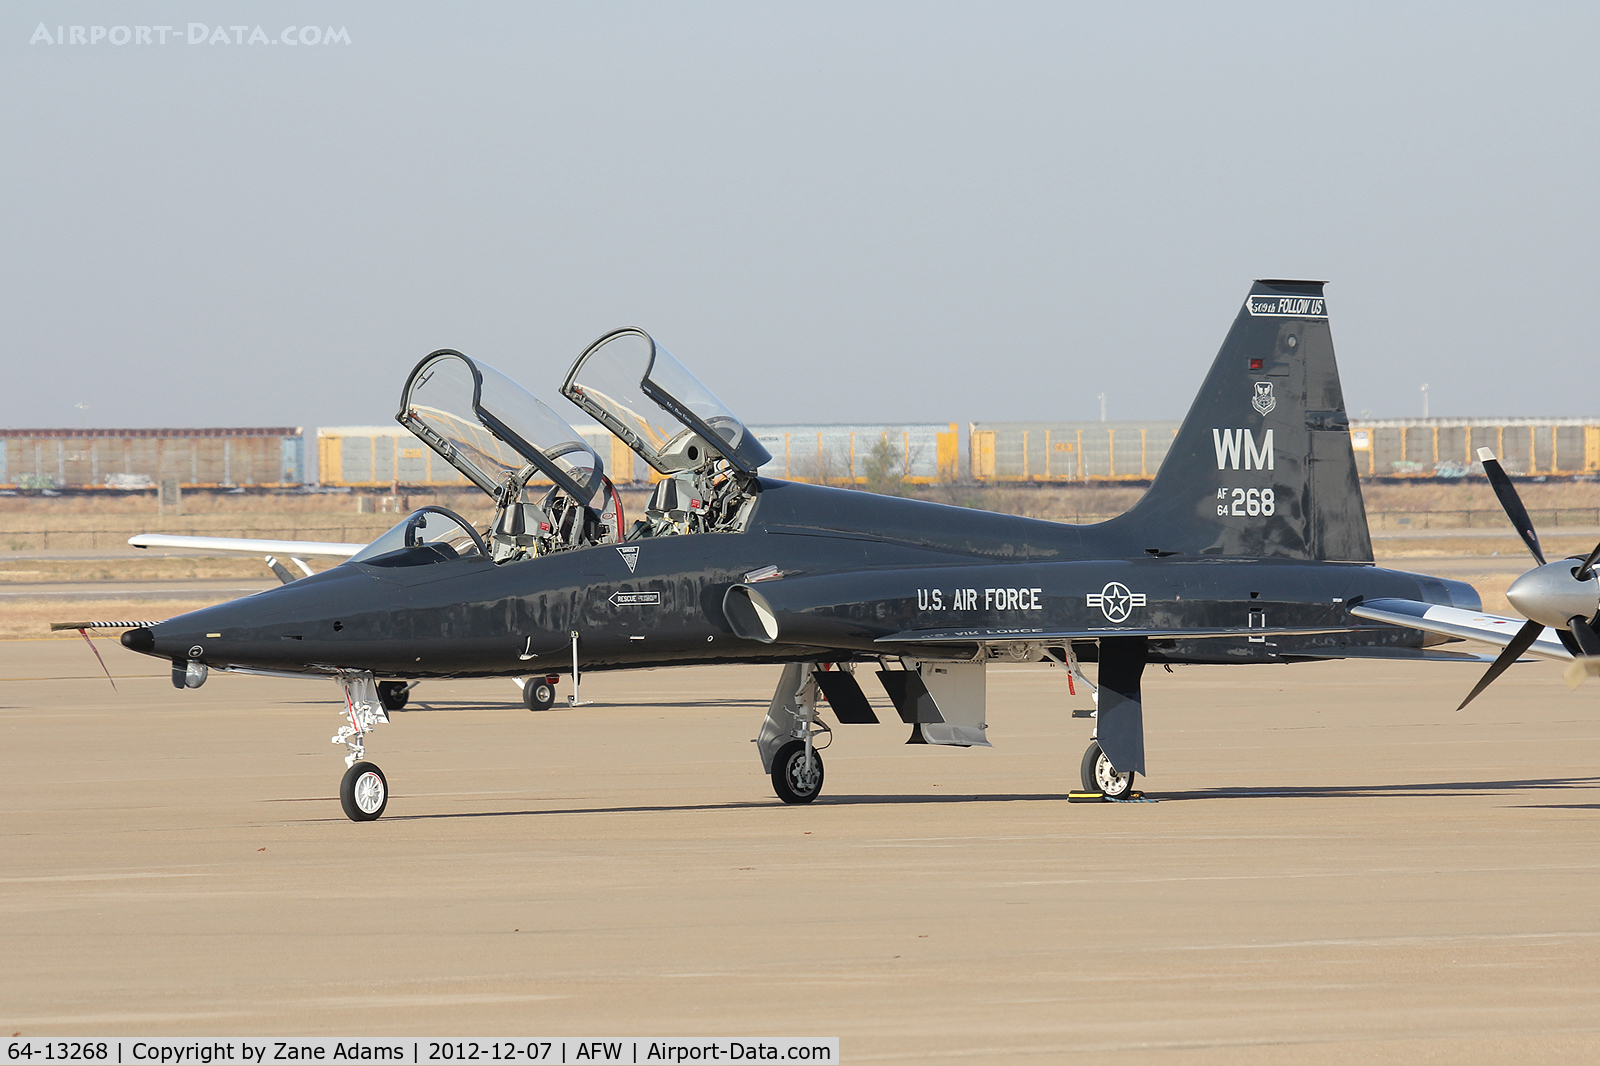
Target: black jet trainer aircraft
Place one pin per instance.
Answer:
(1250, 546)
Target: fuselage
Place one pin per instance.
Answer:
(852, 567)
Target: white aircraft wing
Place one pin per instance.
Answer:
(1454, 622)
(246, 544)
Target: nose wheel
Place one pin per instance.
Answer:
(364, 792)
(1100, 776)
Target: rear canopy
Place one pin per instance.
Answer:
(637, 390)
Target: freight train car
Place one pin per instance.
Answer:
(1090, 452)
(1448, 447)
(268, 457)
(382, 456)
(856, 454)
(1068, 451)
(378, 457)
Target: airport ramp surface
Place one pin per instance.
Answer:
(1340, 868)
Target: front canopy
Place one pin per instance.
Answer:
(637, 390)
(427, 535)
(489, 427)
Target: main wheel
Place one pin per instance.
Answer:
(792, 779)
(393, 694)
(1100, 776)
(364, 792)
(538, 694)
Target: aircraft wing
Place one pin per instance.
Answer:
(245, 544)
(1454, 622)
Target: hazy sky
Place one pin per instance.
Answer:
(871, 212)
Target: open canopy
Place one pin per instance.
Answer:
(637, 390)
(489, 427)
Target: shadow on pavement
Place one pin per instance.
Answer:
(1433, 790)
(1427, 789)
(764, 804)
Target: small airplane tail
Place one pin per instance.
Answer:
(1262, 466)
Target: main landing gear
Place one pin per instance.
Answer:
(1096, 772)
(364, 792)
(1100, 776)
(797, 772)
(1118, 717)
(788, 736)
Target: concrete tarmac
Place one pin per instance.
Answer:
(1340, 869)
(143, 591)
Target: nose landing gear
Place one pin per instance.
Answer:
(364, 792)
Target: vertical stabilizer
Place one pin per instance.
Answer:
(1262, 466)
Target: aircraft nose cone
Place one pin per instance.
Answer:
(140, 640)
(1551, 594)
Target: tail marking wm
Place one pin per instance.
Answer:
(1234, 444)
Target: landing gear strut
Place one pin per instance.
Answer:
(364, 792)
(1119, 718)
(788, 736)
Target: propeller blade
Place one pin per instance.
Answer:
(1520, 643)
(1585, 635)
(1582, 668)
(1588, 564)
(1506, 492)
(1585, 661)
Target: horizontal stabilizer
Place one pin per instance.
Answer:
(245, 544)
(1454, 622)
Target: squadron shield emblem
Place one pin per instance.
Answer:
(1263, 400)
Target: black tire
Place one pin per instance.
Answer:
(393, 694)
(1100, 776)
(364, 792)
(788, 768)
(538, 694)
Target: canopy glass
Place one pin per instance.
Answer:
(489, 427)
(637, 390)
(427, 535)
